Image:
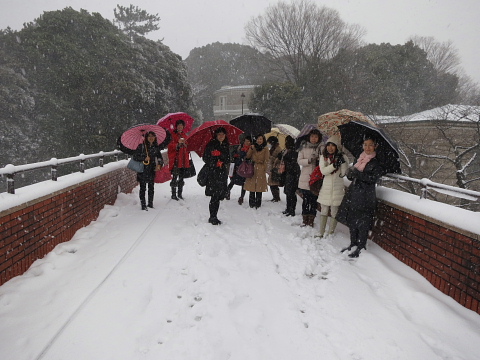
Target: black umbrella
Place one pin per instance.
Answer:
(252, 124)
(355, 132)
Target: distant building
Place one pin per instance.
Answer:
(232, 101)
(433, 140)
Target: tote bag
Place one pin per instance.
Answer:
(245, 169)
(203, 174)
(135, 166)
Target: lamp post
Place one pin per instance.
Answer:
(242, 96)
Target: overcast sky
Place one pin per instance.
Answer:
(186, 24)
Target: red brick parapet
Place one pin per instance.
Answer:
(30, 230)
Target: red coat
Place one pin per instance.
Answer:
(178, 156)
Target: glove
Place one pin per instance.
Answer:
(216, 153)
(351, 173)
(338, 161)
(219, 163)
(313, 159)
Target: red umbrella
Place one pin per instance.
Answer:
(135, 135)
(169, 120)
(199, 137)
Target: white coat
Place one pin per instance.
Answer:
(304, 155)
(333, 188)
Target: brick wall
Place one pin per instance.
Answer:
(30, 231)
(448, 258)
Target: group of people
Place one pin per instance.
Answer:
(353, 207)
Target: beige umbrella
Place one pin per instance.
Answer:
(327, 123)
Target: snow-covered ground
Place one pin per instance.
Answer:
(165, 284)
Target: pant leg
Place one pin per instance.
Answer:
(143, 188)
(213, 206)
(151, 192)
(252, 199)
(258, 199)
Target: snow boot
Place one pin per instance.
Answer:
(179, 193)
(323, 225)
(174, 194)
(332, 226)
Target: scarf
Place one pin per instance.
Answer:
(363, 160)
(331, 157)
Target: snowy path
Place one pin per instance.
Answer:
(165, 284)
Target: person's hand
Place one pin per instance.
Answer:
(216, 153)
(147, 159)
(158, 167)
(351, 173)
(219, 163)
(338, 160)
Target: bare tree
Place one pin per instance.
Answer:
(443, 55)
(299, 34)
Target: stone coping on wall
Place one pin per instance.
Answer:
(460, 220)
(35, 193)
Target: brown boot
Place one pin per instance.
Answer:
(311, 220)
(305, 220)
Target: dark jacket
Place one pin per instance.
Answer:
(218, 176)
(238, 157)
(360, 201)
(292, 170)
(155, 154)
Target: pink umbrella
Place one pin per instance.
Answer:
(169, 120)
(199, 138)
(135, 135)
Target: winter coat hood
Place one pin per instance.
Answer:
(335, 139)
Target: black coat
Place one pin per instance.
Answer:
(155, 153)
(292, 170)
(360, 201)
(218, 176)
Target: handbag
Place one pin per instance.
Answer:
(245, 169)
(278, 177)
(163, 175)
(136, 166)
(316, 181)
(203, 175)
(190, 171)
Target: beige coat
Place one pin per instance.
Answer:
(258, 183)
(304, 155)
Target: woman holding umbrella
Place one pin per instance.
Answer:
(178, 159)
(358, 206)
(149, 152)
(217, 158)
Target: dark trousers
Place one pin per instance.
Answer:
(214, 205)
(151, 190)
(291, 201)
(177, 178)
(230, 187)
(255, 199)
(309, 204)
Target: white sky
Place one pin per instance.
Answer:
(165, 284)
(186, 24)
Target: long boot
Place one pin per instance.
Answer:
(353, 240)
(174, 193)
(305, 220)
(362, 244)
(180, 191)
(332, 226)
(311, 220)
(276, 193)
(323, 225)
(213, 208)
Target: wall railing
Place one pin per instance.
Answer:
(10, 170)
(426, 184)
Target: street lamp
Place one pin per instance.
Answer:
(242, 96)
